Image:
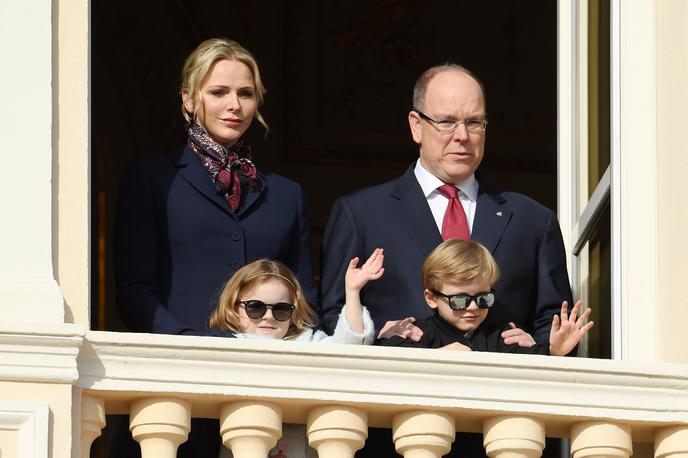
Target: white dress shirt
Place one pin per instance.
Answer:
(468, 195)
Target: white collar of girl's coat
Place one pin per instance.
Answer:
(305, 336)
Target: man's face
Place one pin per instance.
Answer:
(451, 95)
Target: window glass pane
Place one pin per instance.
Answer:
(598, 90)
(597, 343)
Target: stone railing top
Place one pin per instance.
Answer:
(209, 370)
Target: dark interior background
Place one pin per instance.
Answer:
(339, 76)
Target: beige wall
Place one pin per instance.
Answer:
(672, 168)
(71, 157)
(8, 444)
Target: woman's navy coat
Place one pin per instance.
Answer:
(177, 242)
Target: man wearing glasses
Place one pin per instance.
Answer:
(410, 216)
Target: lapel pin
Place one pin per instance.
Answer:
(499, 213)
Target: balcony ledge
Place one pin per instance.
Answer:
(470, 386)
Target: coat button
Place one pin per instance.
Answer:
(236, 236)
(236, 265)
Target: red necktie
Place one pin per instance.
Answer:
(454, 224)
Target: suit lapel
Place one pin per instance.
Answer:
(197, 176)
(411, 210)
(491, 217)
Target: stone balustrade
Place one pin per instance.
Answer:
(338, 391)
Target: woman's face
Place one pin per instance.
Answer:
(271, 291)
(228, 101)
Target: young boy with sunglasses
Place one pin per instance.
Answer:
(458, 277)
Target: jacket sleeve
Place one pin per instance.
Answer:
(397, 341)
(344, 334)
(340, 244)
(553, 280)
(136, 259)
(300, 254)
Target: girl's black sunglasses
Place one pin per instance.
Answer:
(256, 309)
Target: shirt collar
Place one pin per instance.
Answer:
(429, 183)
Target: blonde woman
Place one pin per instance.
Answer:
(188, 220)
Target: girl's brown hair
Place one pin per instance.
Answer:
(226, 314)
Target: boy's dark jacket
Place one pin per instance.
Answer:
(437, 333)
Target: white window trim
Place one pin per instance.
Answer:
(633, 168)
(634, 183)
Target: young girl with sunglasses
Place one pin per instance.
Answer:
(264, 300)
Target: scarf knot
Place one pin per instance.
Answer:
(231, 169)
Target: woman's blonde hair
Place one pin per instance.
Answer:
(198, 65)
(226, 314)
(457, 260)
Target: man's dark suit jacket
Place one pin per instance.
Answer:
(523, 236)
(177, 242)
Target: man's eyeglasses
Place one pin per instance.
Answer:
(256, 309)
(472, 125)
(460, 302)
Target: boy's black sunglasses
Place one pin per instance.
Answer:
(460, 302)
(257, 309)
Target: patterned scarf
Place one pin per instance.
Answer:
(231, 169)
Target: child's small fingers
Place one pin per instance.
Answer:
(375, 258)
(353, 263)
(555, 323)
(583, 317)
(564, 310)
(587, 327)
(575, 310)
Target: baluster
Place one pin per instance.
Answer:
(337, 431)
(513, 437)
(160, 425)
(672, 442)
(601, 439)
(92, 422)
(422, 434)
(250, 429)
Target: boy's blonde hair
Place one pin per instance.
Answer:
(226, 314)
(457, 260)
(198, 65)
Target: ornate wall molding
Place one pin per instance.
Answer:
(29, 422)
(40, 353)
